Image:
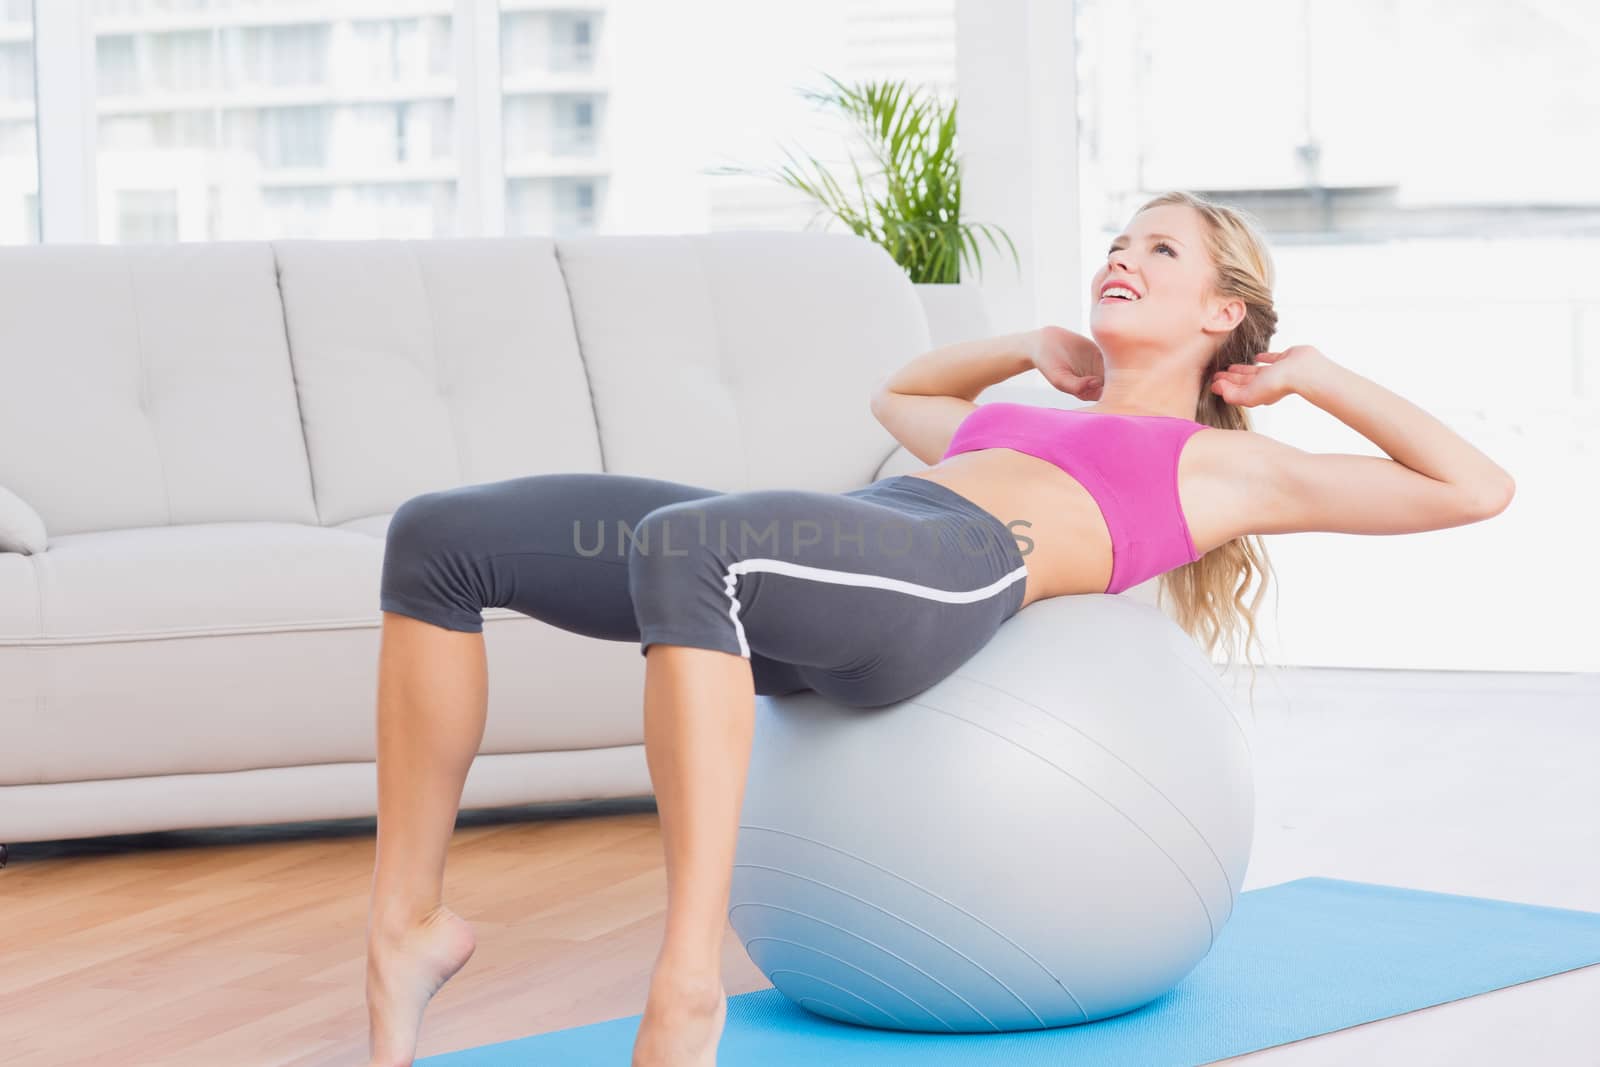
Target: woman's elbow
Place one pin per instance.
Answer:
(1494, 498)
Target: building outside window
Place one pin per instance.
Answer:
(19, 160)
(555, 94)
(341, 117)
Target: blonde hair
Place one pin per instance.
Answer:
(1209, 593)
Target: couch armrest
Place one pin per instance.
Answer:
(21, 528)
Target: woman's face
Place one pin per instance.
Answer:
(1161, 257)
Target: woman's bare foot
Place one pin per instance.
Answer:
(682, 1024)
(404, 971)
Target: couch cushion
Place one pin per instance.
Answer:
(426, 365)
(148, 385)
(179, 581)
(214, 648)
(741, 360)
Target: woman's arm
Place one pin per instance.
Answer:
(924, 402)
(1435, 479)
(1070, 362)
(964, 369)
(1407, 433)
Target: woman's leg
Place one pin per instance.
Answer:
(699, 716)
(432, 704)
(815, 580)
(517, 544)
(449, 555)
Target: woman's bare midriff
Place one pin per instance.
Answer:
(1039, 502)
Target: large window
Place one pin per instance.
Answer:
(1426, 173)
(258, 119)
(616, 115)
(226, 119)
(19, 158)
(555, 85)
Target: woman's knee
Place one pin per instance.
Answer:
(424, 525)
(679, 580)
(669, 534)
(429, 568)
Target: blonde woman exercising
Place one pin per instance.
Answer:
(873, 595)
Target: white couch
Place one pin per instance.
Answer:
(201, 446)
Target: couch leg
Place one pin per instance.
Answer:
(2, 855)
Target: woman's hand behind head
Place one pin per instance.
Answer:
(1273, 376)
(1069, 361)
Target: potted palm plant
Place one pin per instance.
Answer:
(910, 204)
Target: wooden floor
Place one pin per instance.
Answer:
(247, 946)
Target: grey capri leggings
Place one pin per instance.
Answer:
(868, 596)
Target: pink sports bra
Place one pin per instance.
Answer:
(1128, 464)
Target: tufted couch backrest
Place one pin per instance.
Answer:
(148, 386)
(322, 381)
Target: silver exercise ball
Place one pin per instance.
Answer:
(1056, 833)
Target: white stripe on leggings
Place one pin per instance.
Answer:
(875, 581)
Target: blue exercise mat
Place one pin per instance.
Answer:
(1299, 959)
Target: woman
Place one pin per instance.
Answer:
(1161, 475)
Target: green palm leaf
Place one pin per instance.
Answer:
(911, 203)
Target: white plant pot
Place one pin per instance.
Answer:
(954, 312)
